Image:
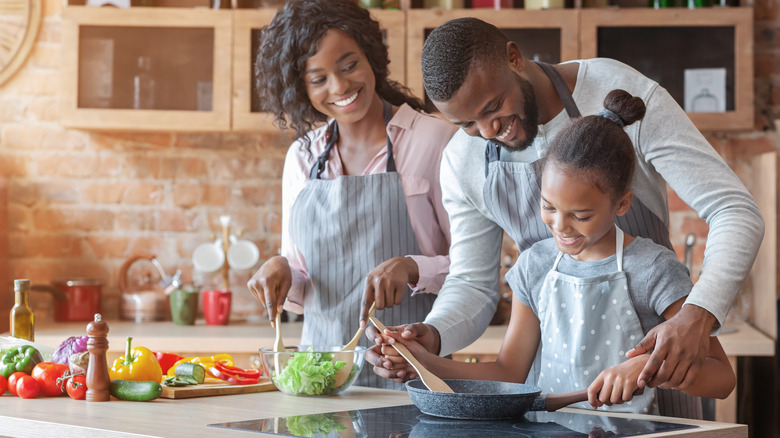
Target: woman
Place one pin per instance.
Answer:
(362, 219)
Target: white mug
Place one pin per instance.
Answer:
(242, 254)
(208, 257)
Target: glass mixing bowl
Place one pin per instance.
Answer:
(312, 370)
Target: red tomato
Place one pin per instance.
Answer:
(3, 384)
(13, 379)
(27, 387)
(77, 387)
(47, 374)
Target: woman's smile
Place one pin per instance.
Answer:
(344, 102)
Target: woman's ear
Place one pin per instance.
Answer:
(624, 203)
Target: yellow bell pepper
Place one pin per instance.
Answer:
(206, 361)
(138, 363)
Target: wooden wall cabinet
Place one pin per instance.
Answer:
(247, 112)
(204, 58)
(663, 43)
(165, 69)
(246, 109)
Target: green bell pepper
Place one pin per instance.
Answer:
(22, 358)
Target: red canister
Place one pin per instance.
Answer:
(74, 300)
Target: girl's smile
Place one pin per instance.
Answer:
(580, 216)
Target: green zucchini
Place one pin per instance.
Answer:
(134, 390)
(190, 370)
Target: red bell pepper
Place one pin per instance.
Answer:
(236, 371)
(235, 375)
(238, 380)
(166, 360)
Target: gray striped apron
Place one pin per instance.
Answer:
(345, 227)
(512, 194)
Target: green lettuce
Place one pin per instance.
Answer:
(309, 373)
(309, 425)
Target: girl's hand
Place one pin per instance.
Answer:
(617, 384)
(271, 283)
(386, 360)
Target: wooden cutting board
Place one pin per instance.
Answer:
(209, 389)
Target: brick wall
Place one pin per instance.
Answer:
(80, 203)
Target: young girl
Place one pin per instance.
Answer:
(587, 295)
(362, 216)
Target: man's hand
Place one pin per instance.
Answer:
(679, 347)
(386, 361)
(386, 284)
(271, 283)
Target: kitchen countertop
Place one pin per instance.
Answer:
(63, 417)
(247, 338)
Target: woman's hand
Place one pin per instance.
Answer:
(386, 284)
(271, 283)
(617, 384)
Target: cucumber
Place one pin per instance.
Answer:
(190, 371)
(134, 391)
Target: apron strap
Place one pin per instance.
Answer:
(619, 239)
(557, 260)
(492, 153)
(619, 248)
(319, 166)
(563, 90)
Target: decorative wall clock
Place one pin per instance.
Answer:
(19, 24)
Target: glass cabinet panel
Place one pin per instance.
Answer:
(146, 69)
(703, 57)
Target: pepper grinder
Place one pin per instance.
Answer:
(97, 371)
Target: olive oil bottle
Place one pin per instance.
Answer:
(22, 318)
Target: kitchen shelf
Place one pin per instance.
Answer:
(190, 71)
(247, 108)
(666, 42)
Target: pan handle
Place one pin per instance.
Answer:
(553, 402)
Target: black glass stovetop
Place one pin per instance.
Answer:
(408, 421)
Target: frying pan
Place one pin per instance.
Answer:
(487, 400)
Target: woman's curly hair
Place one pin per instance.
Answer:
(292, 38)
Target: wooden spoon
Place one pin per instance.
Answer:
(343, 374)
(278, 344)
(354, 341)
(428, 378)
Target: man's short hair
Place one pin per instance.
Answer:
(455, 47)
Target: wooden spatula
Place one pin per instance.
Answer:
(354, 341)
(342, 374)
(278, 344)
(428, 378)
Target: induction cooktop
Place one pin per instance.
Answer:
(408, 421)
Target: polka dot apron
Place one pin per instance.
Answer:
(587, 325)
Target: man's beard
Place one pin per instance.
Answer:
(530, 123)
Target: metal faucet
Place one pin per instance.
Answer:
(690, 240)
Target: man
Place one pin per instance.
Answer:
(481, 82)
